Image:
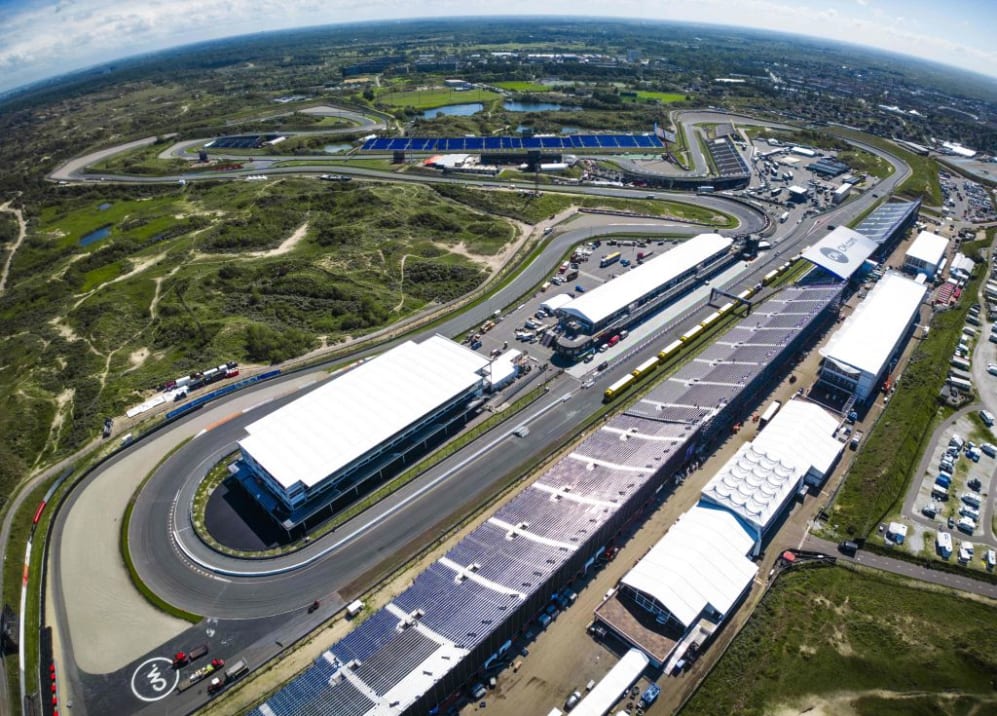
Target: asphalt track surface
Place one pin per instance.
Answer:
(349, 552)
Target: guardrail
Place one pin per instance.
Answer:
(207, 397)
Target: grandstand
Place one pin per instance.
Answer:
(463, 612)
(243, 141)
(727, 159)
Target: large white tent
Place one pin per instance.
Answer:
(699, 565)
(802, 433)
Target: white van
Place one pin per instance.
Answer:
(987, 417)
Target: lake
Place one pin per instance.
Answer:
(535, 107)
(454, 110)
(96, 235)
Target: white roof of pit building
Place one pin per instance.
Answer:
(866, 339)
(700, 561)
(754, 485)
(602, 301)
(330, 427)
(555, 302)
(928, 247)
(802, 433)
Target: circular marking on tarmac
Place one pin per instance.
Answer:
(151, 680)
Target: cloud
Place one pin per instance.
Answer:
(43, 38)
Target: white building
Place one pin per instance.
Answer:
(858, 355)
(961, 267)
(804, 152)
(802, 433)
(798, 193)
(698, 570)
(841, 193)
(926, 254)
(841, 252)
(754, 486)
(502, 370)
(615, 303)
(331, 440)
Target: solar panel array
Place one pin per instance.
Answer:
(575, 142)
(883, 223)
(462, 598)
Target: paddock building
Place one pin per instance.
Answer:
(328, 443)
(860, 354)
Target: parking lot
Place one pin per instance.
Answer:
(954, 488)
(965, 200)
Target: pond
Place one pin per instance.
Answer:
(105, 206)
(96, 235)
(454, 110)
(336, 148)
(536, 107)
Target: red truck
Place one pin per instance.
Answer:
(182, 658)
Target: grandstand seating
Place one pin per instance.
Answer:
(462, 614)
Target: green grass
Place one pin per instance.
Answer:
(663, 97)
(881, 473)
(842, 634)
(923, 181)
(143, 161)
(432, 98)
(523, 206)
(215, 302)
(520, 86)
(95, 278)
(864, 162)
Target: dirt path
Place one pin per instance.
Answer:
(401, 285)
(154, 303)
(22, 232)
(286, 246)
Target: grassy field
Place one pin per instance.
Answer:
(189, 277)
(143, 161)
(923, 181)
(523, 206)
(518, 86)
(432, 98)
(882, 471)
(866, 163)
(663, 97)
(866, 643)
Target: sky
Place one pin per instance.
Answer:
(43, 38)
